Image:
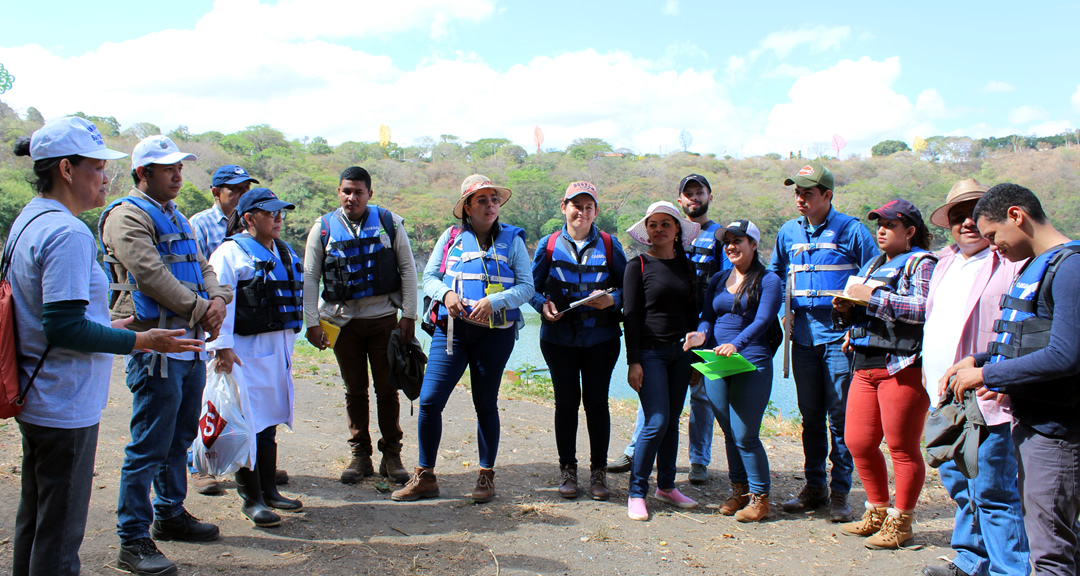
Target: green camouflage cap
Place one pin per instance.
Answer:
(813, 174)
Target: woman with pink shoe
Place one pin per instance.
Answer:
(660, 308)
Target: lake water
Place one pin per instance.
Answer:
(527, 352)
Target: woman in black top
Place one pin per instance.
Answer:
(660, 308)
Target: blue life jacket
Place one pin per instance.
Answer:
(820, 265)
(273, 299)
(470, 270)
(1019, 331)
(573, 276)
(705, 259)
(362, 265)
(178, 249)
(873, 332)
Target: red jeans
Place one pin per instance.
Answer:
(894, 408)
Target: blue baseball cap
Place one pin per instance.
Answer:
(229, 175)
(261, 199)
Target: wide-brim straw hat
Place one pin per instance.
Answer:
(963, 191)
(474, 184)
(689, 228)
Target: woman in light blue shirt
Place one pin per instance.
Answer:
(478, 276)
(65, 343)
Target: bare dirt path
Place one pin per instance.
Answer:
(527, 529)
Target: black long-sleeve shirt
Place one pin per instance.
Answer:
(658, 304)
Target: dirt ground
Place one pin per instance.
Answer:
(526, 529)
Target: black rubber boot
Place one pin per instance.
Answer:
(267, 467)
(248, 487)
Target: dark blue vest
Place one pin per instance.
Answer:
(362, 265)
(273, 299)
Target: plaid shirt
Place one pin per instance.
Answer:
(907, 304)
(209, 229)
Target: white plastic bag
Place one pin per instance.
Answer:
(226, 442)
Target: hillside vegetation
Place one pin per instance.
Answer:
(421, 182)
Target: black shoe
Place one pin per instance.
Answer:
(809, 498)
(699, 474)
(621, 465)
(141, 557)
(839, 511)
(949, 569)
(185, 528)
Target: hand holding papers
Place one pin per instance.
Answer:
(716, 366)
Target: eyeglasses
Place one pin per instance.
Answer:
(275, 214)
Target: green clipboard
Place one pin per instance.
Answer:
(716, 366)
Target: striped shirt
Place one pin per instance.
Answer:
(907, 304)
(209, 229)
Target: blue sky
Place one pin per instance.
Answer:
(743, 79)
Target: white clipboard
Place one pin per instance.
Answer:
(585, 300)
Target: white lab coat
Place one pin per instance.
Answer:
(266, 374)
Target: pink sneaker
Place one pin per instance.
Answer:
(675, 498)
(636, 509)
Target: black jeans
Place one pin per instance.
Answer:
(581, 376)
(57, 477)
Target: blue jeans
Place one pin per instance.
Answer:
(663, 392)
(1049, 473)
(739, 402)
(822, 377)
(700, 429)
(57, 478)
(990, 539)
(485, 352)
(164, 422)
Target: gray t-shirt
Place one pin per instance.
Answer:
(56, 261)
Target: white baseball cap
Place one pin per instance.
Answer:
(70, 136)
(158, 150)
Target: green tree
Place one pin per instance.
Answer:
(180, 133)
(140, 130)
(107, 125)
(485, 147)
(319, 146)
(585, 148)
(889, 147)
(534, 202)
(191, 200)
(35, 117)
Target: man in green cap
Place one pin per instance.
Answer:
(814, 254)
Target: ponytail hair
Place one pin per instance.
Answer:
(42, 181)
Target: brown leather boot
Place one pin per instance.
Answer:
(359, 467)
(895, 531)
(598, 490)
(568, 488)
(756, 510)
(870, 522)
(423, 484)
(740, 497)
(392, 468)
(485, 486)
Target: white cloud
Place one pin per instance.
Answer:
(818, 38)
(335, 19)
(998, 86)
(855, 99)
(671, 7)
(314, 88)
(1076, 99)
(1026, 115)
(931, 104)
(1050, 128)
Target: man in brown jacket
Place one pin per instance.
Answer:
(159, 276)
